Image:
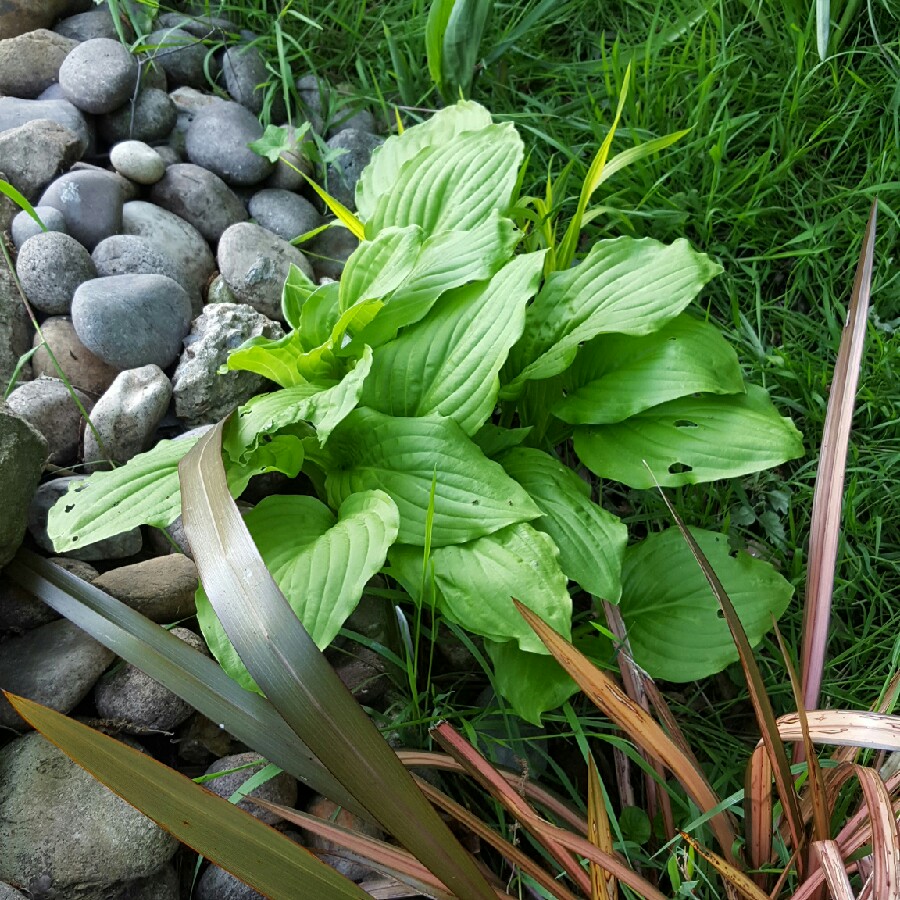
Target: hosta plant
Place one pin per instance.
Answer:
(454, 401)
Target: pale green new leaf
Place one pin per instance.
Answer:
(379, 266)
(144, 491)
(267, 414)
(287, 362)
(624, 285)
(319, 316)
(591, 540)
(320, 564)
(296, 291)
(477, 581)
(533, 683)
(672, 617)
(473, 496)
(616, 375)
(454, 185)
(691, 440)
(382, 174)
(447, 260)
(448, 362)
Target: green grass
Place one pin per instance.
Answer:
(775, 179)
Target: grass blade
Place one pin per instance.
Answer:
(192, 676)
(259, 855)
(296, 678)
(609, 697)
(825, 523)
(732, 875)
(823, 27)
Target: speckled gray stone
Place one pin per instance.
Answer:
(34, 153)
(15, 112)
(51, 266)
(126, 417)
(176, 240)
(23, 452)
(245, 77)
(130, 696)
(182, 55)
(30, 63)
(56, 665)
(98, 76)
(201, 394)
(24, 226)
(86, 839)
(150, 118)
(200, 197)
(95, 23)
(284, 213)
(280, 789)
(344, 172)
(132, 320)
(217, 139)
(255, 263)
(91, 202)
(48, 405)
(128, 254)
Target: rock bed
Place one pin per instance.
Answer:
(167, 245)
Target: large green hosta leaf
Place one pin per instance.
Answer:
(453, 185)
(448, 362)
(625, 285)
(476, 581)
(616, 375)
(320, 564)
(691, 440)
(591, 541)
(447, 260)
(380, 177)
(378, 267)
(473, 496)
(266, 414)
(671, 615)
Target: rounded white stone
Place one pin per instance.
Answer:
(137, 161)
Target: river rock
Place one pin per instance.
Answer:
(162, 885)
(48, 405)
(24, 226)
(201, 394)
(30, 63)
(245, 77)
(219, 292)
(119, 546)
(20, 16)
(330, 250)
(255, 263)
(85, 26)
(217, 139)
(200, 198)
(34, 153)
(128, 254)
(176, 240)
(56, 665)
(51, 266)
(137, 161)
(131, 697)
(217, 884)
(15, 112)
(280, 789)
(8, 892)
(85, 840)
(15, 330)
(284, 213)
(91, 202)
(132, 320)
(314, 94)
(21, 611)
(199, 24)
(84, 370)
(150, 118)
(161, 588)
(23, 452)
(343, 173)
(182, 56)
(126, 417)
(98, 76)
